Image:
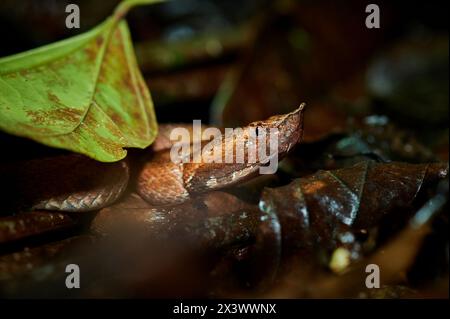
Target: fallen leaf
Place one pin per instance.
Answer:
(372, 138)
(329, 209)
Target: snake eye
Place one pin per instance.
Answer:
(260, 130)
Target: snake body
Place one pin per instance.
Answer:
(75, 183)
(71, 183)
(163, 182)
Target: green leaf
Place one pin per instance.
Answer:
(84, 94)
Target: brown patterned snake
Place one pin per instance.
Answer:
(163, 182)
(76, 183)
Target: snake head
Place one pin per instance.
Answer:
(163, 181)
(289, 129)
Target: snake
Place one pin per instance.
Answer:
(163, 182)
(75, 183)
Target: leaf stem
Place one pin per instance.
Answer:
(125, 6)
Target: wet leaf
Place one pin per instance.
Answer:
(395, 258)
(372, 138)
(85, 94)
(330, 209)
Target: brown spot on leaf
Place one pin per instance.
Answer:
(93, 47)
(52, 97)
(117, 119)
(99, 41)
(63, 114)
(127, 83)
